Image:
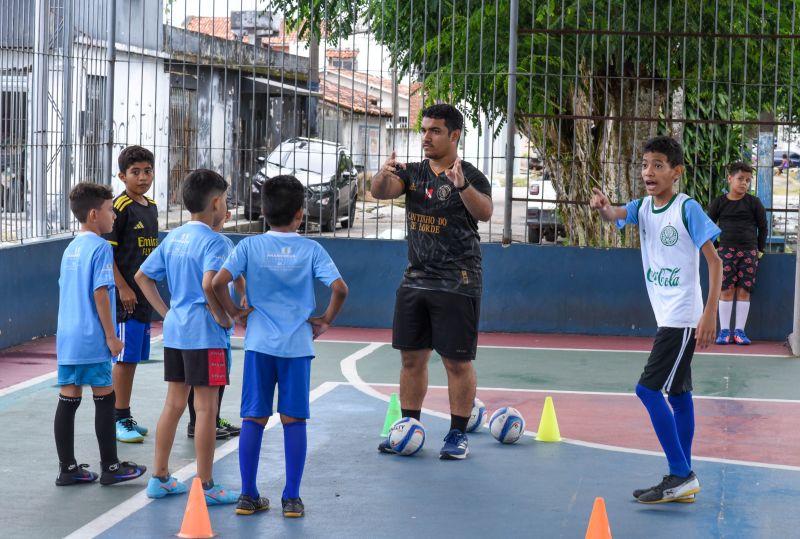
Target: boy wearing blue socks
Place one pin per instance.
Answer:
(280, 267)
(673, 229)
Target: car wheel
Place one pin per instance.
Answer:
(351, 216)
(329, 225)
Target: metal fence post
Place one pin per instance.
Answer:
(38, 127)
(108, 116)
(66, 106)
(511, 127)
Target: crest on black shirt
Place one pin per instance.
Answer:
(443, 192)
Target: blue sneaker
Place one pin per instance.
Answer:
(219, 495)
(126, 431)
(158, 489)
(724, 336)
(455, 446)
(140, 429)
(740, 338)
(384, 447)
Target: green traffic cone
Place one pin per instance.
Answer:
(392, 414)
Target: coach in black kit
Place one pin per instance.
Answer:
(438, 301)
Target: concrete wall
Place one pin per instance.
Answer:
(526, 288)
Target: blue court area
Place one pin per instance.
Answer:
(530, 489)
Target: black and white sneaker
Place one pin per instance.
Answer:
(686, 499)
(121, 471)
(74, 474)
(672, 488)
(247, 505)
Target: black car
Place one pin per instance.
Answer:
(324, 168)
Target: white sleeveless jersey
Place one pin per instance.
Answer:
(671, 263)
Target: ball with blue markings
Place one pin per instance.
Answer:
(407, 436)
(507, 425)
(478, 415)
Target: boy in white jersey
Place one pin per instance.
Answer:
(672, 230)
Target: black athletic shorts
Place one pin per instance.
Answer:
(432, 319)
(669, 367)
(205, 367)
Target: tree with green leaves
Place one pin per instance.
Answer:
(595, 79)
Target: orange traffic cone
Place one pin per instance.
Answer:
(598, 522)
(196, 522)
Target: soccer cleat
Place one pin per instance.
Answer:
(724, 337)
(158, 489)
(686, 499)
(385, 447)
(671, 489)
(126, 431)
(247, 505)
(740, 338)
(121, 471)
(219, 495)
(226, 425)
(74, 474)
(455, 446)
(222, 434)
(293, 507)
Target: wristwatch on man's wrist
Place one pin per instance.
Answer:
(463, 187)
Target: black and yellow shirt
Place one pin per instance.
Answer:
(134, 237)
(443, 242)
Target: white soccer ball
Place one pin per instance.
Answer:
(406, 436)
(507, 425)
(478, 415)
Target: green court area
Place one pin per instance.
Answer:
(761, 377)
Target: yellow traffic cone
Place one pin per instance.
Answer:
(548, 425)
(392, 415)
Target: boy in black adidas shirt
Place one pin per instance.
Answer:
(134, 237)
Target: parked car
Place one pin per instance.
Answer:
(324, 168)
(541, 217)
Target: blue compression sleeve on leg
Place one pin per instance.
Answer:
(664, 425)
(683, 409)
(294, 446)
(249, 450)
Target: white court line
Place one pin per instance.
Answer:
(45, 377)
(612, 351)
(350, 372)
(139, 500)
(610, 394)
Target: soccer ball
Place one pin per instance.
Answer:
(406, 436)
(478, 415)
(507, 425)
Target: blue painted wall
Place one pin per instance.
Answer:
(526, 288)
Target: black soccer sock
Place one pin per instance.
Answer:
(219, 401)
(64, 428)
(105, 428)
(411, 413)
(458, 422)
(121, 413)
(190, 405)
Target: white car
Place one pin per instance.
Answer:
(542, 220)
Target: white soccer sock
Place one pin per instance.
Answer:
(742, 309)
(725, 308)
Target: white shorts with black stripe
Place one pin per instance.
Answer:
(669, 367)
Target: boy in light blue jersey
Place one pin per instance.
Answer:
(86, 340)
(194, 330)
(673, 230)
(280, 268)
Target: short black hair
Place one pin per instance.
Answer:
(739, 166)
(281, 197)
(453, 119)
(134, 154)
(667, 146)
(199, 187)
(86, 196)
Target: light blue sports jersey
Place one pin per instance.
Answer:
(280, 269)
(229, 244)
(184, 256)
(87, 264)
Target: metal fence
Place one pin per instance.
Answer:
(559, 97)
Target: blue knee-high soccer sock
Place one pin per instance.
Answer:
(683, 410)
(294, 447)
(666, 430)
(249, 449)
